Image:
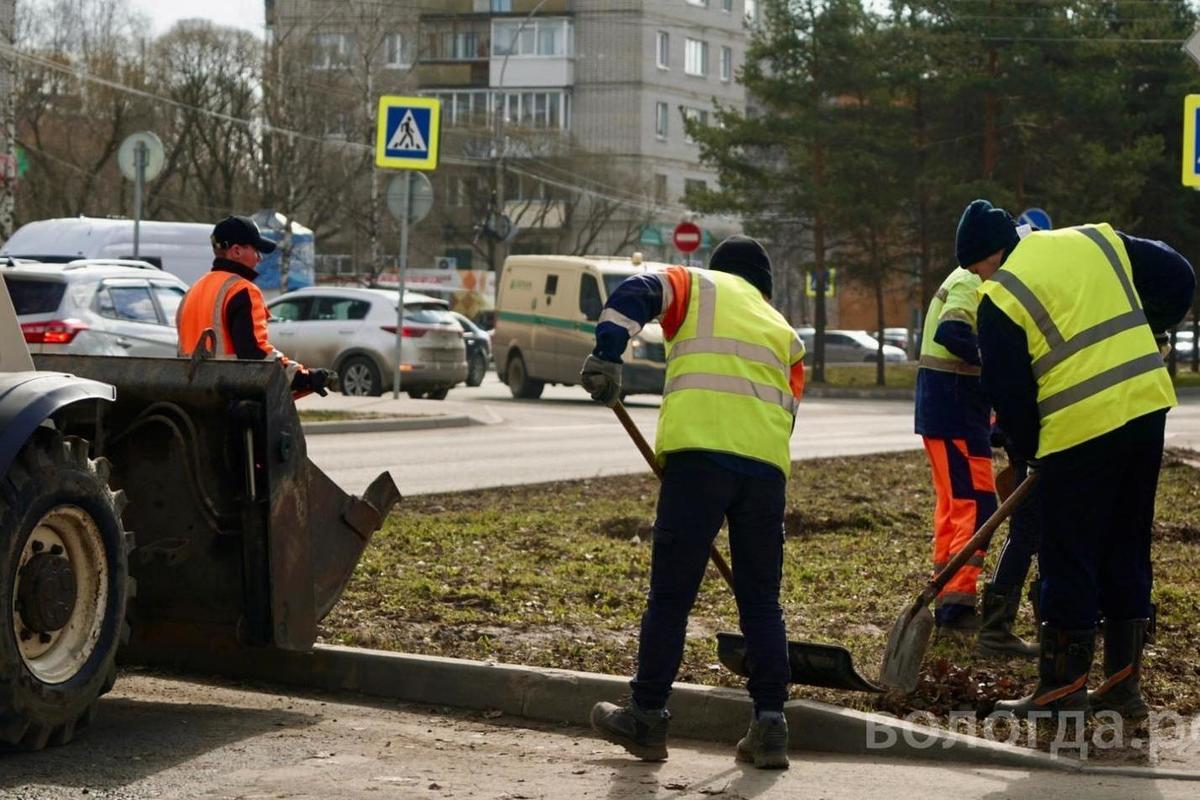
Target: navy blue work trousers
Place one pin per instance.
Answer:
(697, 495)
(1024, 533)
(1097, 509)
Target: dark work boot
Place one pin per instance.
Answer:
(1124, 641)
(765, 745)
(996, 637)
(643, 732)
(1066, 657)
(1035, 600)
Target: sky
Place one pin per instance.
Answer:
(247, 14)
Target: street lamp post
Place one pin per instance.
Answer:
(498, 122)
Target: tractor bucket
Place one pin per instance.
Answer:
(240, 539)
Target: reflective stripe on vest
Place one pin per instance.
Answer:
(728, 377)
(222, 347)
(933, 355)
(1096, 363)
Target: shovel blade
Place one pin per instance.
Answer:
(811, 664)
(907, 643)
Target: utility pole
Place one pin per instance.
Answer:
(8, 117)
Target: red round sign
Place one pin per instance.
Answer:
(687, 237)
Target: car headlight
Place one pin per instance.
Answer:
(640, 350)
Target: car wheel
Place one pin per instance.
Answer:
(477, 369)
(415, 394)
(64, 582)
(520, 384)
(359, 377)
(438, 394)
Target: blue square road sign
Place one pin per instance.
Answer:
(408, 133)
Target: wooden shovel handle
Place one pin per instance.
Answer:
(979, 540)
(648, 454)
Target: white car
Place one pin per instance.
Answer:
(849, 347)
(117, 307)
(353, 331)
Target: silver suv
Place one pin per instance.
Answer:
(95, 306)
(353, 331)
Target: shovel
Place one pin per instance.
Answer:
(812, 664)
(909, 637)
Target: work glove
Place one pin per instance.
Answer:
(602, 380)
(315, 380)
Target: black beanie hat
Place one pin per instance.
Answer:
(983, 230)
(741, 255)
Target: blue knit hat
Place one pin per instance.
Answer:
(983, 230)
(744, 256)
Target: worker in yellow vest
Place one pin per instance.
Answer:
(1068, 321)
(735, 374)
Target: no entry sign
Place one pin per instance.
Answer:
(687, 237)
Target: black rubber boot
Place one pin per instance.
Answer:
(996, 637)
(1066, 657)
(1124, 641)
(642, 732)
(765, 744)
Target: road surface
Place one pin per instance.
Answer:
(565, 436)
(157, 737)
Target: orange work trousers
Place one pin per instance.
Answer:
(966, 497)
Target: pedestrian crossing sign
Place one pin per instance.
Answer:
(1191, 140)
(407, 133)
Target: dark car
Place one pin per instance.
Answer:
(479, 349)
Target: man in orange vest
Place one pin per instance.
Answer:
(227, 301)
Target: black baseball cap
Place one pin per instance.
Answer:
(240, 230)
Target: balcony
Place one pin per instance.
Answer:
(452, 74)
(453, 8)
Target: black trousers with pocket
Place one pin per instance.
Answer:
(697, 495)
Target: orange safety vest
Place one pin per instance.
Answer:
(204, 306)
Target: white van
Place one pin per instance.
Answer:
(546, 313)
(180, 248)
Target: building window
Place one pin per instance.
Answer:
(692, 186)
(726, 63)
(331, 50)
(703, 3)
(474, 108)
(697, 115)
(662, 50)
(502, 5)
(661, 115)
(546, 38)
(727, 6)
(752, 11)
(695, 57)
(660, 188)
(395, 56)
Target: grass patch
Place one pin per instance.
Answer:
(555, 575)
(896, 376)
(311, 415)
(1185, 377)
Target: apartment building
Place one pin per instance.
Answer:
(562, 119)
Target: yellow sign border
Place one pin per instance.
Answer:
(1191, 171)
(387, 102)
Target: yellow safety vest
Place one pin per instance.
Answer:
(956, 300)
(1093, 354)
(728, 383)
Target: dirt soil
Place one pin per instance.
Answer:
(555, 575)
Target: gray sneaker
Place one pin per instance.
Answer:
(765, 745)
(642, 732)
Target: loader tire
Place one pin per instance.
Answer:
(64, 581)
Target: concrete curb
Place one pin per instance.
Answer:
(562, 696)
(384, 425)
